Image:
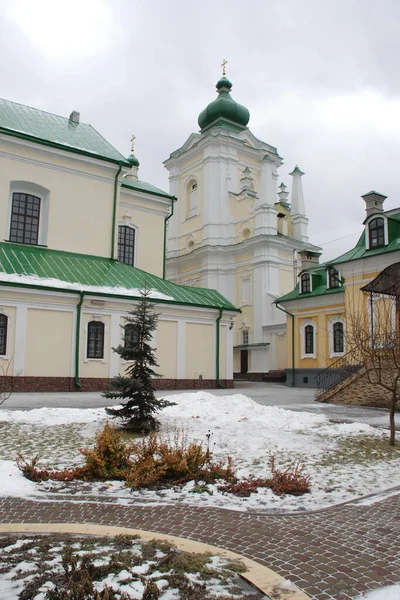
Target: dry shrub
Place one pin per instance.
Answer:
(109, 459)
(30, 471)
(289, 481)
(158, 461)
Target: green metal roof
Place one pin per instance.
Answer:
(142, 186)
(60, 132)
(36, 267)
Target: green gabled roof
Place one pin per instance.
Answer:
(142, 186)
(359, 251)
(52, 130)
(35, 267)
(319, 285)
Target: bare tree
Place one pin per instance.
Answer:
(374, 333)
(7, 381)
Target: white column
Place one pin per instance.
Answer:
(20, 339)
(115, 340)
(229, 353)
(181, 350)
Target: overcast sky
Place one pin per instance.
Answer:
(320, 78)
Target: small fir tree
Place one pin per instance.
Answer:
(137, 414)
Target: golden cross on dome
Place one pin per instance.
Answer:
(223, 65)
(133, 138)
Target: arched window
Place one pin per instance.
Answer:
(333, 278)
(376, 230)
(309, 339)
(126, 244)
(3, 334)
(338, 337)
(131, 336)
(308, 342)
(95, 339)
(25, 214)
(192, 198)
(305, 283)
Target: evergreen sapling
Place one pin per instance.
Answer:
(137, 414)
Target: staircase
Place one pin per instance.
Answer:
(341, 373)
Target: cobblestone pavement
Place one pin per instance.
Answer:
(331, 554)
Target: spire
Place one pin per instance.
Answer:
(223, 65)
(283, 195)
(298, 210)
(298, 206)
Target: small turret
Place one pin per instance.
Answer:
(133, 173)
(300, 221)
(373, 202)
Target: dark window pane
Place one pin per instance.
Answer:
(95, 340)
(25, 214)
(376, 230)
(334, 278)
(126, 244)
(309, 339)
(3, 334)
(131, 336)
(305, 283)
(338, 337)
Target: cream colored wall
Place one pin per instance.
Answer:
(286, 279)
(199, 356)
(167, 348)
(281, 352)
(80, 207)
(49, 338)
(195, 223)
(149, 237)
(222, 352)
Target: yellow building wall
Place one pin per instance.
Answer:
(199, 351)
(281, 351)
(167, 348)
(48, 343)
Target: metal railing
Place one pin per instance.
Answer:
(341, 369)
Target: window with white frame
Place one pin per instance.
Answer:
(192, 198)
(308, 331)
(334, 280)
(376, 232)
(131, 336)
(3, 334)
(245, 338)
(28, 213)
(126, 244)
(336, 330)
(95, 339)
(305, 283)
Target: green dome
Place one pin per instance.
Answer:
(133, 160)
(224, 107)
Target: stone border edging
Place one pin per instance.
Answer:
(263, 578)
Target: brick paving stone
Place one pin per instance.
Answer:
(332, 555)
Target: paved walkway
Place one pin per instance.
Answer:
(331, 554)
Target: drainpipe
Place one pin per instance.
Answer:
(77, 338)
(293, 347)
(114, 215)
(217, 348)
(165, 234)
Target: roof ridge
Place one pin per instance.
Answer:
(47, 113)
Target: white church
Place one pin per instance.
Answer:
(234, 230)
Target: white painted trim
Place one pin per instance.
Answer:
(21, 318)
(301, 282)
(115, 340)
(106, 344)
(303, 325)
(9, 331)
(331, 323)
(385, 229)
(229, 352)
(126, 222)
(181, 350)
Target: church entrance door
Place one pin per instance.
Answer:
(244, 362)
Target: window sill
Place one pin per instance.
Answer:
(191, 215)
(23, 244)
(102, 360)
(314, 356)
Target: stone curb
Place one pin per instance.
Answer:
(263, 578)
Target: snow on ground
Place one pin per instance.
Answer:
(392, 592)
(238, 427)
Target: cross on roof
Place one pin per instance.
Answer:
(133, 138)
(223, 65)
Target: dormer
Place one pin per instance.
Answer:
(376, 224)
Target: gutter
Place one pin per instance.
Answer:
(114, 216)
(293, 346)
(217, 351)
(77, 339)
(173, 199)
